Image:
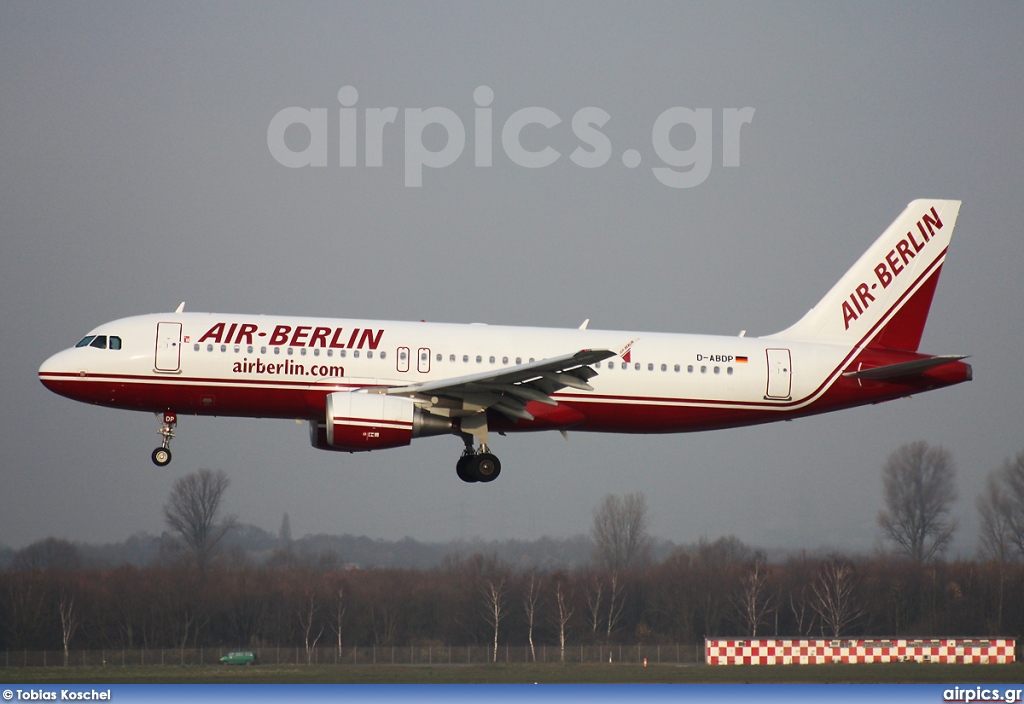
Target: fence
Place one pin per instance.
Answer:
(366, 655)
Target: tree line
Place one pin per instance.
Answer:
(717, 588)
(199, 596)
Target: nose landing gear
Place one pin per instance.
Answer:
(162, 455)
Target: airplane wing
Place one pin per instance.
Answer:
(509, 389)
(904, 369)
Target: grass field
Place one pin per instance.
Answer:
(518, 674)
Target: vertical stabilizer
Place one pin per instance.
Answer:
(883, 300)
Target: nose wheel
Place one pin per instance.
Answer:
(162, 455)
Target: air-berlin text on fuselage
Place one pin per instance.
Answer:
(891, 266)
(295, 336)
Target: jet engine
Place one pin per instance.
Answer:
(359, 422)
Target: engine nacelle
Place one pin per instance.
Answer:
(359, 422)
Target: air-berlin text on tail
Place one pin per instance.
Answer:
(294, 336)
(891, 266)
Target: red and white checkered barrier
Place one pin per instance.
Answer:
(806, 651)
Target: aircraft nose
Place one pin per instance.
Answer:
(54, 372)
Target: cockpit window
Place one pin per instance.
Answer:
(115, 342)
(99, 343)
(85, 341)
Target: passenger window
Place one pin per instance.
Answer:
(624, 365)
(85, 341)
(689, 368)
(492, 359)
(451, 358)
(465, 358)
(650, 367)
(115, 342)
(369, 354)
(355, 353)
(519, 360)
(99, 343)
(479, 359)
(196, 347)
(439, 357)
(383, 355)
(664, 367)
(223, 348)
(637, 366)
(717, 370)
(677, 367)
(209, 347)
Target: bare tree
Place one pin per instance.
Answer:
(68, 621)
(752, 602)
(530, 598)
(1002, 521)
(191, 511)
(919, 490)
(307, 617)
(563, 601)
(620, 532)
(593, 596)
(1002, 511)
(995, 507)
(494, 602)
(798, 607)
(339, 614)
(615, 605)
(835, 600)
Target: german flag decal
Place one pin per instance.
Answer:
(741, 360)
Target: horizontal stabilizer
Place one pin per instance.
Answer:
(904, 369)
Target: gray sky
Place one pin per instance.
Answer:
(137, 174)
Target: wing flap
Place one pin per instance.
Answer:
(510, 375)
(510, 389)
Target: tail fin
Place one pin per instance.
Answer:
(883, 300)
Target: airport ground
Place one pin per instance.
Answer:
(896, 673)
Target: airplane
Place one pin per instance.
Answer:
(370, 385)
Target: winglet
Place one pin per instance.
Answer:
(180, 308)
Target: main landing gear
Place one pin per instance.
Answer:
(477, 465)
(162, 455)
